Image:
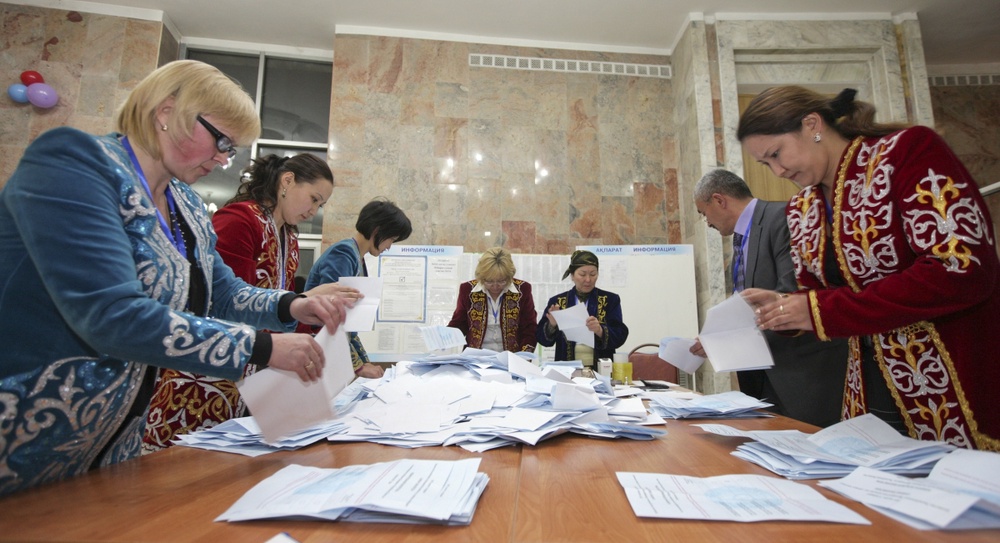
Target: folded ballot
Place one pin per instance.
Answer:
(447, 494)
(739, 498)
(729, 405)
(962, 492)
(836, 451)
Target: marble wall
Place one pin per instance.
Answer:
(542, 161)
(92, 61)
(968, 118)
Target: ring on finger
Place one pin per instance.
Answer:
(781, 309)
(309, 366)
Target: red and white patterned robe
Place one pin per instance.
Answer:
(185, 402)
(914, 241)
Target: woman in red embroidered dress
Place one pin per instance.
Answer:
(496, 311)
(258, 239)
(893, 247)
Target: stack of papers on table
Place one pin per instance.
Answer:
(961, 493)
(728, 405)
(836, 451)
(243, 436)
(741, 498)
(480, 400)
(447, 493)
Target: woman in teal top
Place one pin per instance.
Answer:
(379, 225)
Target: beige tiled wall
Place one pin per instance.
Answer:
(968, 117)
(92, 61)
(461, 149)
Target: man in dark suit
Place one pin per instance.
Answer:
(807, 380)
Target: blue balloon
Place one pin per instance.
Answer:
(18, 93)
(42, 95)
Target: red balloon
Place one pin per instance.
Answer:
(31, 76)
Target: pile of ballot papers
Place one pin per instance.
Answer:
(477, 399)
(836, 451)
(739, 498)
(481, 400)
(729, 405)
(962, 492)
(243, 436)
(447, 494)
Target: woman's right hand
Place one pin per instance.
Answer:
(552, 320)
(697, 349)
(349, 294)
(299, 353)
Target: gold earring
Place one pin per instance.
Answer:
(284, 192)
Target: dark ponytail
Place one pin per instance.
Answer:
(262, 178)
(780, 110)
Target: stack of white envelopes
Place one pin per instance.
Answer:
(836, 451)
(725, 405)
(447, 494)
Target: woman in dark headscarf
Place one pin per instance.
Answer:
(604, 308)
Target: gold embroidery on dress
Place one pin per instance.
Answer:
(817, 320)
(956, 249)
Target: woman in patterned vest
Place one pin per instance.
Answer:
(496, 311)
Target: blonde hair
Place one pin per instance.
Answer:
(496, 264)
(197, 89)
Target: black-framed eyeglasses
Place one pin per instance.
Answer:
(222, 141)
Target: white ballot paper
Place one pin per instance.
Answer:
(962, 492)
(438, 337)
(283, 404)
(407, 491)
(361, 317)
(677, 351)
(731, 338)
(740, 498)
(572, 322)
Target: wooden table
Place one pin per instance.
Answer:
(564, 489)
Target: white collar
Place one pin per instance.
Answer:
(480, 288)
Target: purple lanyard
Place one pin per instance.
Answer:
(175, 236)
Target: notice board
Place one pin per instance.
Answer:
(655, 282)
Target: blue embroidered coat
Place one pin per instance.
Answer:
(92, 292)
(342, 259)
(606, 306)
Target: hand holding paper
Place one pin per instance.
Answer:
(572, 321)
(283, 404)
(361, 317)
(677, 351)
(731, 338)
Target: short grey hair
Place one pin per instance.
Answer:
(723, 182)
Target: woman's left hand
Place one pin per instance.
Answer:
(779, 311)
(371, 371)
(594, 326)
(328, 311)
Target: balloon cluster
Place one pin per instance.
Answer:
(33, 88)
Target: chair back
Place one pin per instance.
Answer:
(650, 365)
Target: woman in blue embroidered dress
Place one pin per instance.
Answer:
(603, 307)
(380, 224)
(108, 266)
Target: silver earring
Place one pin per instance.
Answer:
(817, 137)
(164, 128)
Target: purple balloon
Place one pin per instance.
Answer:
(42, 95)
(18, 93)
